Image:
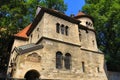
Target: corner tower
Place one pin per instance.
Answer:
(92, 58)
(87, 34)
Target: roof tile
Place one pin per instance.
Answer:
(23, 32)
(80, 14)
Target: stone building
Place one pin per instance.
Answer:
(56, 46)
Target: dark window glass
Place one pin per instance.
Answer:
(83, 66)
(87, 23)
(93, 42)
(37, 29)
(98, 69)
(67, 61)
(62, 29)
(58, 28)
(80, 36)
(58, 60)
(66, 30)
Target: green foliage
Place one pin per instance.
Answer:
(106, 16)
(54, 4)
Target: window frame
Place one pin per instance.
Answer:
(66, 30)
(59, 58)
(67, 61)
(57, 27)
(62, 29)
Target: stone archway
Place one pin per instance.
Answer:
(32, 75)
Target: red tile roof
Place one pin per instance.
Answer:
(22, 33)
(80, 14)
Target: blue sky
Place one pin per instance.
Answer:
(74, 6)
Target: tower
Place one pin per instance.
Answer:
(87, 33)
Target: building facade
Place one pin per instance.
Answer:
(56, 46)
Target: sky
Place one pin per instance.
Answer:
(74, 6)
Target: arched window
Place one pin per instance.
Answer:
(58, 28)
(59, 60)
(62, 29)
(66, 30)
(67, 61)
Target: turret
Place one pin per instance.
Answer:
(86, 32)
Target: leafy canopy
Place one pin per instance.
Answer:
(54, 4)
(15, 15)
(107, 24)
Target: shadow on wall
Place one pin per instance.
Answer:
(106, 72)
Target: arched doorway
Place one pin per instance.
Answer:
(32, 75)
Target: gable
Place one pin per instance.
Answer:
(23, 34)
(51, 12)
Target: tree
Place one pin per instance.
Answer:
(11, 19)
(14, 16)
(106, 22)
(54, 4)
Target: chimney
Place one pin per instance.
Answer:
(38, 10)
